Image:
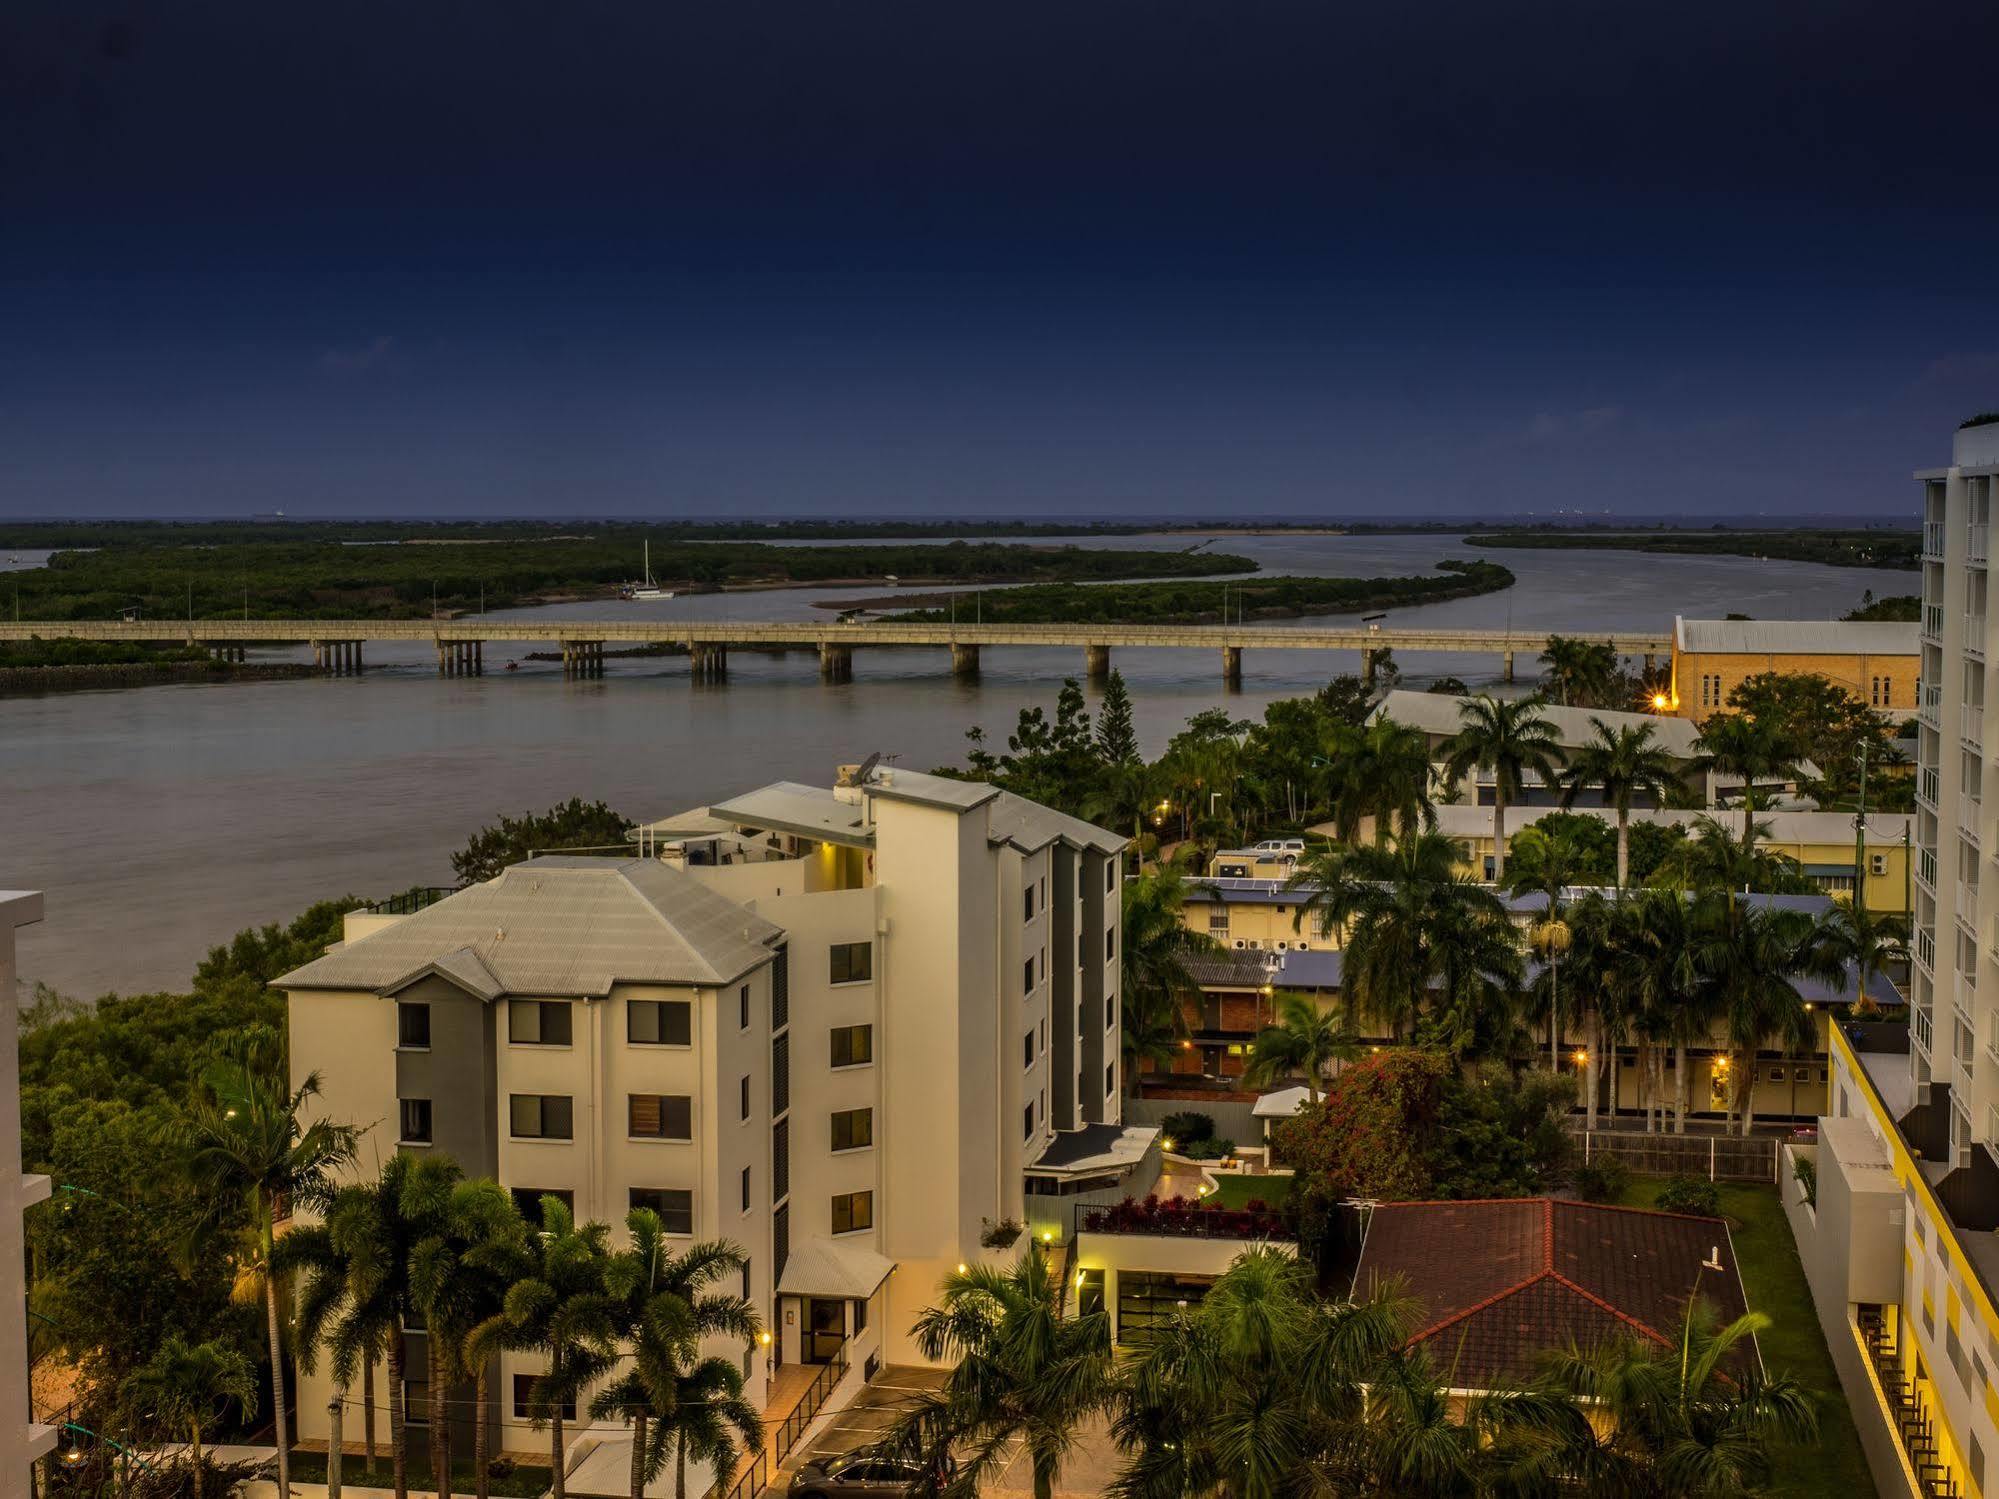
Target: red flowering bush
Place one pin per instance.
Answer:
(1372, 1134)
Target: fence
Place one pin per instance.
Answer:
(1233, 1117)
(1725, 1158)
(802, 1414)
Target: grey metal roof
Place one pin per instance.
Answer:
(1797, 637)
(1438, 713)
(1029, 826)
(557, 926)
(809, 811)
(899, 785)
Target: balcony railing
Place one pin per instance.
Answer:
(1933, 621)
(1974, 634)
(1971, 722)
(1926, 868)
(1907, 1407)
(1927, 783)
(1968, 810)
(1967, 902)
(1920, 1030)
(1974, 542)
(1926, 947)
(1929, 702)
(1933, 538)
(412, 900)
(1965, 998)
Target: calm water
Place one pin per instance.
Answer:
(160, 820)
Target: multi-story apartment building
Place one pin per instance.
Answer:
(1900, 1242)
(22, 1438)
(851, 1029)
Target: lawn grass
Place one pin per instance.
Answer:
(1237, 1192)
(524, 1482)
(1793, 1344)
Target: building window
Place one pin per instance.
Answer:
(1110, 1011)
(1110, 944)
(1082, 952)
(416, 1121)
(413, 1026)
(1218, 925)
(1027, 902)
(526, 1408)
(780, 1160)
(416, 1403)
(853, 962)
(853, 1129)
(746, 1189)
(1027, 977)
(527, 1201)
(1027, 1122)
(746, 1279)
(539, 1116)
(743, 1102)
(853, 1211)
(743, 1008)
(1110, 875)
(674, 1205)
(1110, 1080)
(538, 1022)
(1027, 1049)
(659, 1116)
(780, 1075)
(659, 1022)
(853, 1045)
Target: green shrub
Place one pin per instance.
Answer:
(1694, 1195)
(1806, 1170)
(1204, 1150)
(1602, 1180)
(1187, 1126)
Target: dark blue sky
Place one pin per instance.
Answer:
(434, 257)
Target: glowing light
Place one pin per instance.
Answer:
(1079, 1276)
(1048, 1236)
(1165, 1144)
(1658, 699)
(1582, 1057)
(961, 1267)
(764, 1338)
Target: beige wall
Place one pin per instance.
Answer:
(1853, 672)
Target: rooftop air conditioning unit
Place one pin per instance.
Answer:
(1282, 946)
(1302, 946)
(1240, 944)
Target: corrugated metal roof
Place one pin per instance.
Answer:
(823, 1267)
(1029, 826)
(558, 926)
(1797, 637)
(1440, 713)
(810, 811)
(1462, 820)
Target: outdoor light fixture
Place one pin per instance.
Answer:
(764, 1338)
(1582, 1057)
(1658, 699)
(961, 1267)
(1048, 1236)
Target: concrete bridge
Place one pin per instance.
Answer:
(460, 643)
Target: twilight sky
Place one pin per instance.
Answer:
(1240, 257)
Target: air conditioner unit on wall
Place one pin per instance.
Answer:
(1877, 864)
(1240, 944)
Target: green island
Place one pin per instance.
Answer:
(1203, 602)
(167, 574)
(1855, 548)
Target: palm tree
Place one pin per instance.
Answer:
(1381, 771)
(1409, 919)
(1509, 739)
(1257, 1392)
(1751, 958)
(1866, 940)
(1713, 858)
(459, 1274)
(1302, 1041)
(1750, 749)
(1581, 673)
(1626, 764)
(1022, 1372)
(1695, 1420)
(1654, 970)
(323, 1298)
(665, 1304)
(562, 1310)
(1550, 866)
(187, 1385)
(1152, 967)
(359, 1295)
(246, 1139)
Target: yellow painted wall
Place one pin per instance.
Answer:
(1853, 672)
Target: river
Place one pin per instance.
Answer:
(161, 820)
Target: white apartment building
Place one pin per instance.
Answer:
(850, 1028)
(1898, 1238)
(22, 1438)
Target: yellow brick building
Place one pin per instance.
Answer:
(1877, 662)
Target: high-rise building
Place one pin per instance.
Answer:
(863, 1031)
(22, 1439)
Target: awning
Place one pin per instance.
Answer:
(1093, 1149)
(823, 1267)
(1280, 1105)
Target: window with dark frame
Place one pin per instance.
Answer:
(853, 1129)
(1027, 1049)
(659, 1116)
(539, 1116)
(743, 1102)
(1027, 1122)
(527, 1201)
(659, 1022)
(1027, 977)
(743, 1008)
(674, 1205)
(853, 962)
(746, 1189)
(853, 1045)
(412, 1025)
(415, 1121)
(1027, 902)
(853, 1211)
(524, 1407)
(538, 1022)
(1110, 944)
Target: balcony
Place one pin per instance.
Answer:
(1933, 621)
(1971, 723)
(1929, 702)
(1927, 783)
(1968, 810)
(1920, 1031)
(1926, 947)
(1965, 997)
(1974, 635)
(1967, 903)
(1974, 544)
(1933, 539)
(1926, 868)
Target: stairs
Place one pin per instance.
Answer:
(1905, 1406)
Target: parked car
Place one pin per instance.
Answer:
(866, 1474)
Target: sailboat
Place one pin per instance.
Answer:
(648, 592)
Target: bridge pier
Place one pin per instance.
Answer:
(836, 663)
(710, 662)
(1367, 667)
(1097, 663)
(964, 660)
(1506, 666)
(1232, 666)
(1651, 664)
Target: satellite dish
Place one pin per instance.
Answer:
(867, 769)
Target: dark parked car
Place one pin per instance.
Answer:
(865, 1474)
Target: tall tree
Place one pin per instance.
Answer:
(189, 1385)
(1739, 746)
(1582, 674)
(1117, 739)
(1511, 740)
(1381, 771)
(248, 1137)
(1021, 1372)
(575, 824)
(1303, 1039)
(1625, 764)
(1751, 957)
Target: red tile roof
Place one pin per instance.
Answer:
(1498, 1282)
